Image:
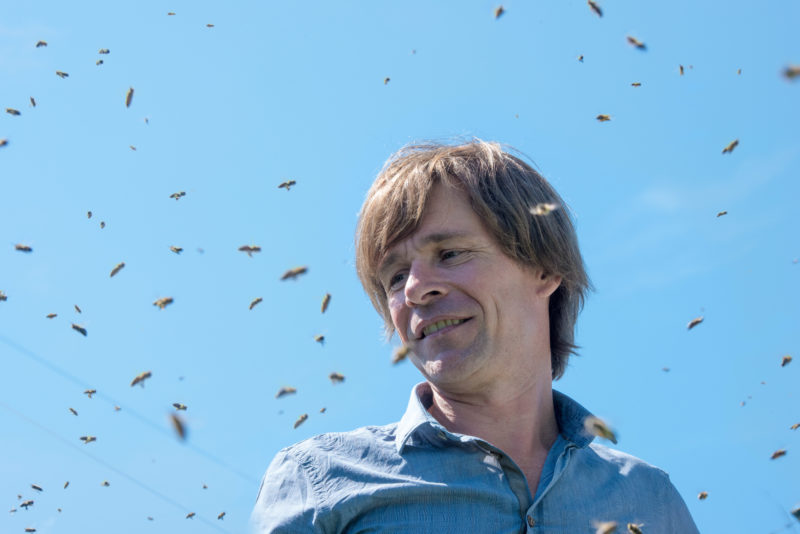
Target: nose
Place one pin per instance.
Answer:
(423, 285)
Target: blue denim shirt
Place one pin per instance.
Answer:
(415, 476)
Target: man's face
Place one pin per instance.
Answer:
(471, 315)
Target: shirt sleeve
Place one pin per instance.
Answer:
(285, 502)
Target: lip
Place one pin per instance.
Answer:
(418, 329)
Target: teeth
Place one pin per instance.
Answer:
(438, 325)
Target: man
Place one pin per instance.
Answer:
(471, 258)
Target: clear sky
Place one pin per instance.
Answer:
(322, 93)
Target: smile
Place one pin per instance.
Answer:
(438, 325)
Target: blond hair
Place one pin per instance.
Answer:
(502, 190)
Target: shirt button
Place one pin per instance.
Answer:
(531, 522)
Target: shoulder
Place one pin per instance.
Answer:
(620, 463)
(343, 445)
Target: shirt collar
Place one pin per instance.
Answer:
(418, 426)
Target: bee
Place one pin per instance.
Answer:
(104, 51)
(88, 214)
(3, 142)
(796, 512)
(703, 495)
(190, 515)
(103, 223)
(255, 302)
(209, 25)
(77, 309)
(721, 213)
(179, 406)
(132, 147)
(286, 390)
(26, 504)
(80, 329)
(636, 84)
(90, 392)
(320, 339)
(604, 527)
(739, 71)
(105, 484)
(140, 378)
(12, 111)
(3, 296)
(634, 528)
(791, 72)
(777, 454)
(41, 43)
(728, 149)
(603, 118)
(177, 424)
(336, 378)
(498, 12)
(128, 97)
(326, 300)
(117, 268)
(322, 410)
(163, 302)
(287, 184)
(33, 101)
(178, 195)
(171, 14)
(30, 529)
(595, 8)
(544, 208)
(680, 68)
(637, 43)
(88, 439)
(694, 322)
(51, 315)
(62, 74)
(250, 249)
(98, 62)
(597, 427)
(73, 412)
(66, 484)
(294, 272)
(22, 248)
(794, 426)
(36, 487)
(300, 420)
(400, 354)
(786, 360)
(386, 80)
(176, 250)
(580, 58)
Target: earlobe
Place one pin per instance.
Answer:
(548, 283)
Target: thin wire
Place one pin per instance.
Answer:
(67, 376)
(105, 464)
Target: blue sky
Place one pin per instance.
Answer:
(276, 91)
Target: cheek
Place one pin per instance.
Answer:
(399, 314)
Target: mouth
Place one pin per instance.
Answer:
(439, 325)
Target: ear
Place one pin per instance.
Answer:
(547, 284)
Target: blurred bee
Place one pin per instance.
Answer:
(498, 12)
(88, 439)
(580, 58)
(254, 302)
(604, 527)
(179, 406)
(177, 424)
(635, 529)
(728, 149)
(3, 296)
(62, 74)
(694, 322)
(22, 248)
(209, 25)
(636, 84)
(41, 43)
(325, 301)
(796, 513)
(637, 43)
(791, 72)
(739, 71)
(104, 51)
(721, 213)
(88, 214)
(3, 142)
(33, 101)
(30, 529)
(77, 309)
(777, 454)
(171, 14)
(336, 378)
(66, 484)
(250, 249)
(786, 360)
(176, 250)
(140, 378)
(12, 111)
(400, 354)
(294, 272)
(300, 420)
(178, 195)
(73, 412)
(286, 390)
(680, 67)
(595, 8)
(702, 495)
(544, 208)
(320, 339)
(163, 302)
(90, 392)
(287, 184)
(597, 427)
(105, 484)
(128, 97)
(98, 62)
(132, 147)
(117, 268)
(103, 223)
(26, 504)
(36, 487)
(386, 80)
(78, 328)
(322, 410)
(603, 118)
(190, 515)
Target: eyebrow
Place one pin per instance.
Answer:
(438, 237)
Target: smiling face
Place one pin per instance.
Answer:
(472, 316)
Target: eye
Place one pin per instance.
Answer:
(396, 281)
(450, 254)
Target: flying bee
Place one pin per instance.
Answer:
(98, 62)
(3, 142)
(634, 528)
(791, 72)
(36, 487)
(105, 483)
(179, 426)
(128, 97)
(786, 360)
(103, 223)
(3, 296)
(721, 213)
(88, 439)
(603, 118)
(140, 378)
(636, 84)
(336, 378)
(61, 74)
(604, 527)
(777, 454)
(595, 8)
(286, 390)
(190, 515)
(90, 392)
(66, 484)
(117, 268)
(179, 406)
(73, 412)
(287, 184)
(680, 68)
(703, 495)
(77, 309)
(796, 513)
(12, 111)
(104, 51)
(33, 102)
(694, 322)
(41, 43)
(209, 25)
(176, 250)
(320, 339)
(30, 529)
(163, 302)
(26, 504)
(171, 14)
(400, 354)
(580, 58)
(23, 248)
(544, 208)
(728, 149)
(386, 80)
(254, 302)
(323, 410)
(178, 195)
(294, 272)
(249, 249)
(80, 329)
(325, 301)
(597, 427)
(498, 12)
(300, 420)
(637, 43)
